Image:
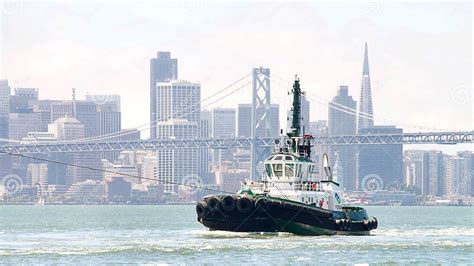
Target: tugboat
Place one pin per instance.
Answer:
(292, 196)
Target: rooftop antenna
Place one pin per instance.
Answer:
(73, 102)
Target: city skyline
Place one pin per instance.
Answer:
(230, 131)
(447, 87)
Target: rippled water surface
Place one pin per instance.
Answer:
(171, 234)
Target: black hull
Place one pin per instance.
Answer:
(276, 215)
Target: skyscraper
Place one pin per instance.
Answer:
(344, 123)
(23, 99)
(108, 120)
(163, 68)
(382, 160)
(365, 103)
(204, 132)
(22, 119)
(178, 117)
(42, 109)
(305, 113)
(432, 173)
(84, 111)
(177, 166)
(70, 128)
(5, 160)
(4, 108)
(222, 126)
(177, 100)
(22, 122)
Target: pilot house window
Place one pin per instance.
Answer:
(268, 169)
(278, 169)
(289, 170)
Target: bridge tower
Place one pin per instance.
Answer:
(260, 116)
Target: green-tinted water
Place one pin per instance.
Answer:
(171, 234)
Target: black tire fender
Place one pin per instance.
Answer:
(245, 205)
(213, 203)
(201, 210)
(228, 203)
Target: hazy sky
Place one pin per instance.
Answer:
(420, 53)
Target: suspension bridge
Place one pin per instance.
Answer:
(260, 108)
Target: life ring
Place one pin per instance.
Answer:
(245, 205)
(228, 203)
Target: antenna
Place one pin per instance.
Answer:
(73, 102)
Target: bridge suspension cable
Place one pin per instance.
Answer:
(148, 125)
(281, 82)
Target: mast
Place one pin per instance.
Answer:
(296, 110)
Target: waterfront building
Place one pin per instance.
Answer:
(37, 175)
(383, 160)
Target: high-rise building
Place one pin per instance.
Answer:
(342, 122)
(38, 175)
(204, 132)
(22, 122)
(222, 126)
(23, 99)
(178, 100)
(5, 160)
(383, 160)
(433, 173)
(366, 112)
(413, 169)
(69, 128)
(305, 113)
(177, 166)
(84, 111)
(163, 68)
(244, 122)
(42, 109)
(458, 174)
(108, 122)
(4, 108)
(178, 117)
(104, 99)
